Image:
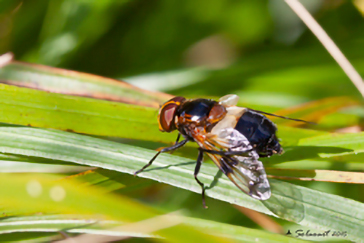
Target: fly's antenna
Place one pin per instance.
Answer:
(293, 119)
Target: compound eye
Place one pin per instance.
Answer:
(167, 114)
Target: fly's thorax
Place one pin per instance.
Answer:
(199, 113)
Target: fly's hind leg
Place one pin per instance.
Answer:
(173, 147)
(197, 169)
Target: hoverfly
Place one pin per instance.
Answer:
(233, 137)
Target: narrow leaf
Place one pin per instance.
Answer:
(69, 82)
(294, 203)
(349, 143)
(98, 117)
(82, 224)
(317, 175)
(29, 194)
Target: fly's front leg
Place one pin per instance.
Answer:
(178, 137)
(173, 147)
(197, 169)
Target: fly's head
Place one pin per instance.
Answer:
(168, 113)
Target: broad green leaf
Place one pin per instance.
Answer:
(64, 81)
(82, 224)
(68, 223)
(29, 194)
(49, 194)
(319, 164)
(330, 145)
(29, 107)
(239, 233)
(290, 136)
(334, 144)
(294, 203)
(83, 115)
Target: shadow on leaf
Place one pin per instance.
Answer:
(285, 201)
(304, 152)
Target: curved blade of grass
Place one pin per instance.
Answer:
(330, 145)
(91, 116)
(321, 164)
(67, 223)
(291, 136)
(19, 164)
(49, 194)
(239, 233)
(81, 224)
(98, 117)
(25, 167)
(64, 81)
(298, 204)
(29, 194)
(350, 143)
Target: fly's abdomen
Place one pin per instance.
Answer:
(260, 132)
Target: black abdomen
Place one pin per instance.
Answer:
(260, 132)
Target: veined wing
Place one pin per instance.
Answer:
(247, 173)
(245, 170)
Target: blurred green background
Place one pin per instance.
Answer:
(257, 49)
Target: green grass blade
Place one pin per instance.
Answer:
(35, 108)
(63, 81)
(30, 194)
(295, 203)
(349, 143)
(98, 117)
(89, 225)
(25, 167)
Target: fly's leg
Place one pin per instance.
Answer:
(178, 137)
(197, 169)
(173, 147)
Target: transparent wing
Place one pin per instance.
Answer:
(249, 175)
(245, 170)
